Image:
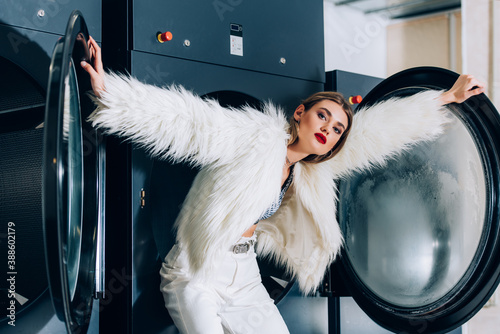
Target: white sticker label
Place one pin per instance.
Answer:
(236, 45)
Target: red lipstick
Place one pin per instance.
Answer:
(321, 138)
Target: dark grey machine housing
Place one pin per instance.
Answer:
(235, 51)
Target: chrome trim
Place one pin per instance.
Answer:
(100, 263)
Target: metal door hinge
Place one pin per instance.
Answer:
(143, 198)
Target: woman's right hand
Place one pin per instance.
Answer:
(96, 71)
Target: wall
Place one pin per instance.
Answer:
(481, 40)
(433, 40)
(481, 54)
(354, 41)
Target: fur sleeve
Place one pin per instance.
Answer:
(174, 123)
(389, 127)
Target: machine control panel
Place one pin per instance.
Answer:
(212, 32)
(236, 37)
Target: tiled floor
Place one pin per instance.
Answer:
(486, 321)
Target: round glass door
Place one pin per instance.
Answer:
(420, 232)
(414, 227)
(70, 184)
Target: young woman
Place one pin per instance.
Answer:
(260, 177)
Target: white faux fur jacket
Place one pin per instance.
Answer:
(241, 155)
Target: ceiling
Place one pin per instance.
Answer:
(400, 8)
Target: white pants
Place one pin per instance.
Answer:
(233, 301)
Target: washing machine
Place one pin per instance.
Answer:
(220, 52)
(108, 202)
(421, 251)
(28, 32)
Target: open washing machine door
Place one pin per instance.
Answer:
(71, 187)
(422, 250)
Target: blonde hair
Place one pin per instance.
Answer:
(308, 104)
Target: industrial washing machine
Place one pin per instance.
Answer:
(421, 250)
(222, 52)
(28, 32)
(116, 190)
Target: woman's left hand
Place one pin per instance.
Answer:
(96, 72)
(465, 87)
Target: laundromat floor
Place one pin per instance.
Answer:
(486, 321)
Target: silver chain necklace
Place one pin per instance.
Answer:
(288, 163)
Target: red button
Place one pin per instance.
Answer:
(355, 99)
(165, 37)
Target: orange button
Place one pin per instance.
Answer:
(165, 37)
(355, 99)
